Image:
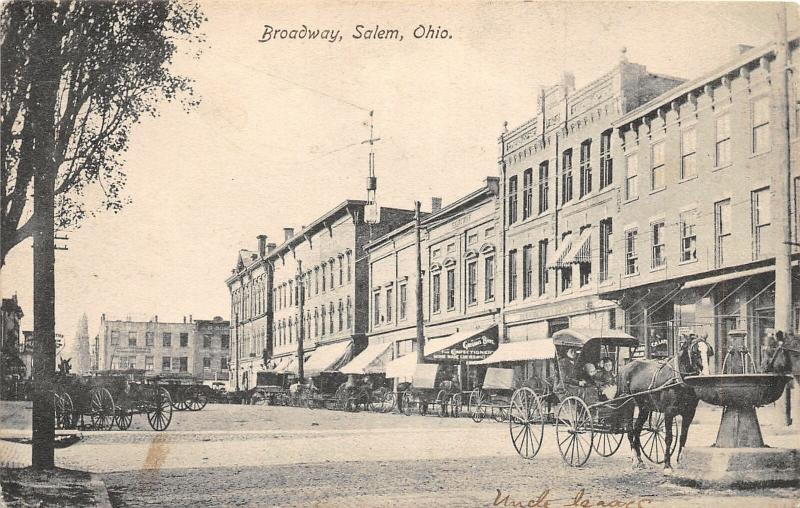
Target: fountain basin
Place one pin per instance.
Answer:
(738, 390)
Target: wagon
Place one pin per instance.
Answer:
(272, 388)
(588, 416)
(185, 391)
(424, 392)
(493, 397)
(363, 392)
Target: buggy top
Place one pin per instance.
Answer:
(589, 341)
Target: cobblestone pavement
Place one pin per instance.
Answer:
(255, 455)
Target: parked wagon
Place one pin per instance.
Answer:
(493, 397)
(366, 392)
(186, 391)
(431, 388)
(272, 388)
(588, 417)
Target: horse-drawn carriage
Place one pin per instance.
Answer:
(492, 397)
(272, 388)
(109, 398)
(431, 387)
(185, 391)
(590, 415)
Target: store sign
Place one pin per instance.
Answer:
(474, 348)
(132, 350)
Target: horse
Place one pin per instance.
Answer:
(675, 399)
(778, 356)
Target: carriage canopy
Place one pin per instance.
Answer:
(575, 337)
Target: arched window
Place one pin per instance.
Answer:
(333, 309)
(316, 322)
(349, 313)
(341, 313)
(322, 332)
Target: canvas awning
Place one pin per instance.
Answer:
(475, 344)
(582, 253)
(539, 349)
(402, 367)
(329, 358)
(372, 360)
(562, 252)
(285, 364)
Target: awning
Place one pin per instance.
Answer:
(562, 252)
(285, 364)
(582, 253)
(329, 358)
(540, 349)
(372, 360)
(728, 276)
(402, 367)
(464, 345)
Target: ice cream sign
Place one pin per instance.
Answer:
(472, 348)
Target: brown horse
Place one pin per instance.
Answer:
(662, 389)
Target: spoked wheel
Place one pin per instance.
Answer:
(441, 399)
(196, 399)
(455, 405)
(526, 423)
(607, 444)
(68, 416)
(62, 406)
(159, 411)
(179, 401)
(406, 403)
(381, 401)
(388, 401)
(258, 398)
(652, 439)
(477, 401)
(102, 409)
(574, 431)
(123, 419)
(341, 398)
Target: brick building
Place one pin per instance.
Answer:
(327, 259)
(201, 348)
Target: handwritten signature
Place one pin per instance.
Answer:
(581, 500)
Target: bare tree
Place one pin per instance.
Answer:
(76, 76)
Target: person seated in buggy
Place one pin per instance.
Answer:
(605, 380)
(567, 368)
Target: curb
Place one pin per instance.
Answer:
(100, 492)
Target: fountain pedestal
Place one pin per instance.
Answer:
(739, 428)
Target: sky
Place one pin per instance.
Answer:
(276, 140)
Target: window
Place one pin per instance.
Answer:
(488, 278)
(332, 310)
(437, 292)
(333, 275)
(184, 339)
(566, 176)
(291, 294)
(291, 326)
(451, 289)
(166, 363)
(148, 363)
(631, 256)
(606, 243)
(631, 175)
(349, 313)
(527, 271)
(659, 258)
(166, 339)
(544, 185)
(322, 320)
(403, 301)
(512, 200)
(761, 221)
(586, 168)
(114, 337)
(316, 281)
(512, 275)
(761, 137)
(435, 253)
(184, 363)
(606, 164)
(223, 363)
(341, 271)
(207, 363)
(324, 276)
(131, 339)
(376, 308)
(542, 267)
(688, 235)
(451, 248)
(349, 267)
(149, 339)
(389, 306)
(489, 232)
(688, 153)
(723, 145)
(341, 315)
(472, 282)
(206, 341)
(472, 239)
(527, 193)
(225, 342)
(657, 172)
(316, 322)
(722, 229)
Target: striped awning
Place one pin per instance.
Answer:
(563, 252)
(582, 253)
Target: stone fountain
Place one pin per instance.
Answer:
(739, 456)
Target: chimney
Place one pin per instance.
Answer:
(156, 318)
(190, 318)
(270, 247)
(436, 204)
(568, 82)
(288, 233)
(262, 245)
(184, 319)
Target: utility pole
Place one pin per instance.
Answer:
(420, 314)
(782, 192)
(300, 296)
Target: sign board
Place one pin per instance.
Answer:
(476, 347)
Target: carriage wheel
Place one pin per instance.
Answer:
(383, 402)
(607, 444)
(526, 423)
(652, 438)
(159, 413)
(123, 420)
(441, 399)
(196, 399)
(179, 400)
(68, 415)
(258, 398)
(406, 403)
(101, 408)
(60, 410)
(477, 399)
(340, 398)
(574, 431)
(455, 405)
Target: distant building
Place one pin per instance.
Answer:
(201, 348)
(12, 367)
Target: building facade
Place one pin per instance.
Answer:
(316, 285)
(560, 201)
(695, 239)
(200, 348)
